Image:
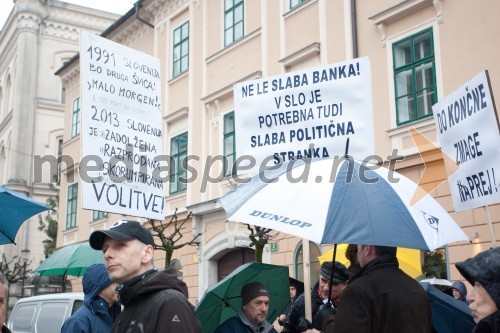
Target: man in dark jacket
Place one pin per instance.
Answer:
(101, 306)
(483, 272)
(251, 318)
(3, 303)
(296, 288)
(381, 298)
(154, 301)
(296, 321)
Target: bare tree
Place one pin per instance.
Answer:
(14, 269)
(259, 237)
(170, 234)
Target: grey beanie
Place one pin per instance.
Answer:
(252, 290)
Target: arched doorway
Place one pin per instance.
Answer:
(314, 253)
(231, 260)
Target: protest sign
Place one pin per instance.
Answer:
(467, 128)
(304, 114)
(121, 129)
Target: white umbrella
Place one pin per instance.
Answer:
(441, 282)
(333, 202)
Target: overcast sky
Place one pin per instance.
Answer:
(113, 6)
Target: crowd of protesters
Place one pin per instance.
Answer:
(129, 294)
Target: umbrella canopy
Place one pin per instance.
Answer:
(70, 260)
(409, 259)
(440, 282)
(16, 209)
(449, 315)
(222, 301)
(332, 202)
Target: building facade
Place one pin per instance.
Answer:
(420, 51)
(37, 38)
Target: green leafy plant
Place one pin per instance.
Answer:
(49, 224)
(435, 264)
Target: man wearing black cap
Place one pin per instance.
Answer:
(296, 321)
(382, 298)
(154, 301)
(251, 318)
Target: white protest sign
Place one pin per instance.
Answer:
(468, 132)
(121, 129)
(305, 114)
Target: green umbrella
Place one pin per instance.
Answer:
(222, 301)
(70, 260)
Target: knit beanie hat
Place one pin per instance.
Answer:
(252, 290)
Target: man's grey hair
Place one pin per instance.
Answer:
(3, 280)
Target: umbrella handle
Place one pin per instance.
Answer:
(330, 286)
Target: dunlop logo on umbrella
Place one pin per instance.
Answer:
(280, 218)
(432, 221)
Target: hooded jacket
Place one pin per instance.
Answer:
(156, 301)
(381, 298)
(485, 269)
(295, 322)
(460, 287)
(95, 316)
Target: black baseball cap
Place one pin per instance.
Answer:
(121, 230)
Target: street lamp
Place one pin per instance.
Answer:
(25, 256)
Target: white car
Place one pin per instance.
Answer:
(44, 313)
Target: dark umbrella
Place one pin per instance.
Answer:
(222, 301)
(449, 315)
(16, 209)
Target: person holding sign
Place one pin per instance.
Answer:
(154, 301)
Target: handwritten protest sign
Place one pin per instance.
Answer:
(304, 114)
(468, 131)
(121, 129)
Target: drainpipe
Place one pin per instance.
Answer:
(35, 108)
(137, 6)
(354, 30)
